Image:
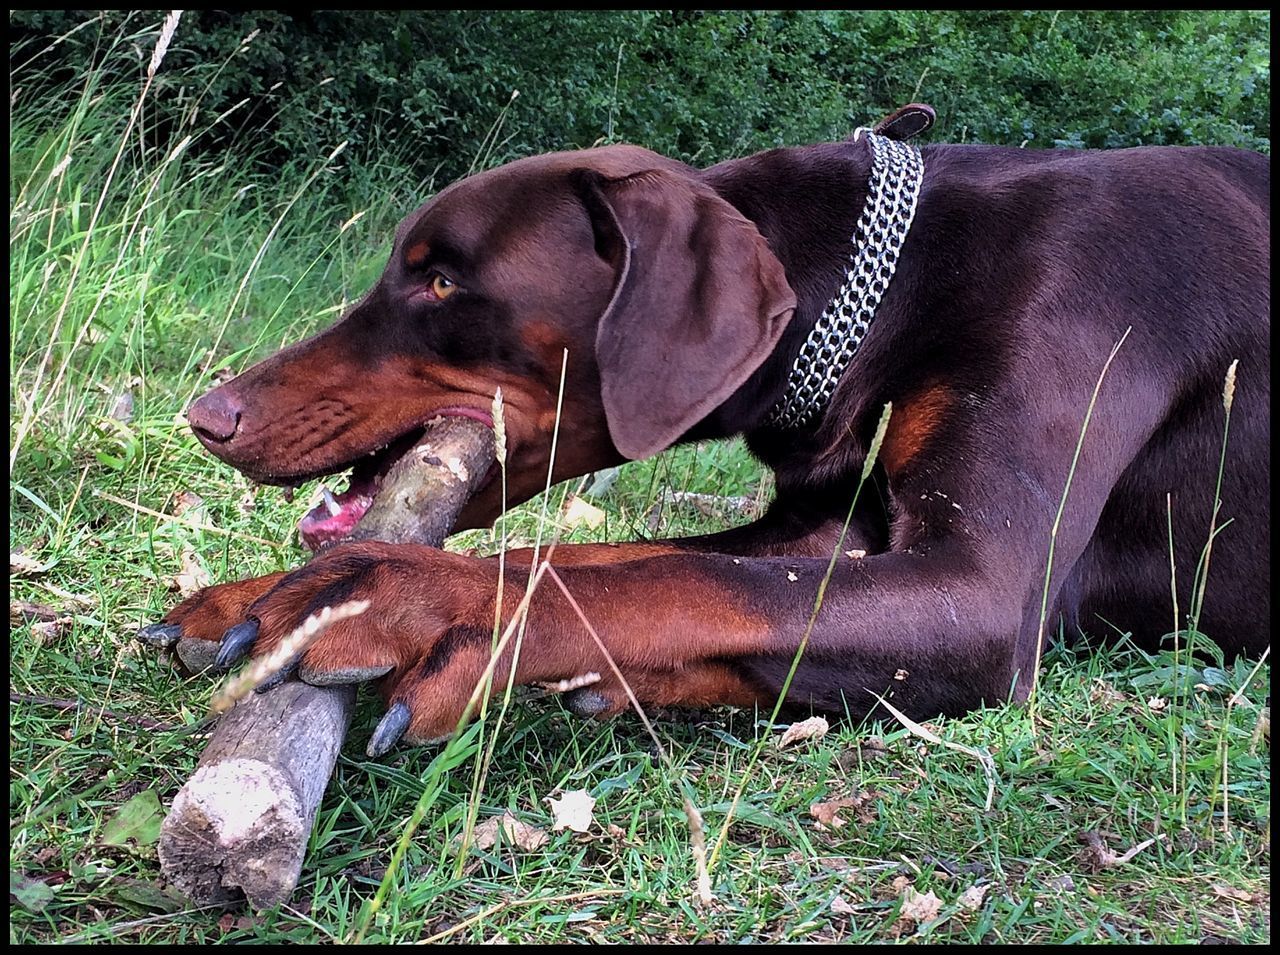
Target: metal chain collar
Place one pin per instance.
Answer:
(897, 170)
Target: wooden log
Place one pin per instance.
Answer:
(240, 825)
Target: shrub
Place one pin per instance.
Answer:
(423, 90)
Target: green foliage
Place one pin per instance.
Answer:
(701, 86)
(138, 821)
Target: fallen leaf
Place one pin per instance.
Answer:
(148, 895)
(47, 632)
(23, 611)
(122, 407)
(572, 811)
(580, 513)
(873, 747)
(815, 727)
(828, 813)
(32, 894)
(971, 899)
(20, 565)
(1104, 692)
(514, 832)
(919, 908)
(189, 503)
(1062, 883)
(1231, 892)
(840, 907)
(1157, 703)
(139, 820)
(1096, 856)
(192, 577)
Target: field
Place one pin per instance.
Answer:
(1131, 803)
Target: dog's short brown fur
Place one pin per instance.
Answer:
(681, 297)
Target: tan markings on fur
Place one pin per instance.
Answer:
(207, 614)
(914, 422)
(416, 254)
(571, 555)
(547, 342)
(699, 685)
(458, 381)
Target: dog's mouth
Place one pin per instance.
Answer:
(336, 516)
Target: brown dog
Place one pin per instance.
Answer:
(987, 292)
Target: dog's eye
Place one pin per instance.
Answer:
(441, 287)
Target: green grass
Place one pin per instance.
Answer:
(200, 249)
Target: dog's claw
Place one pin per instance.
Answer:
(162, 636)
(389, 730)
(236, 643)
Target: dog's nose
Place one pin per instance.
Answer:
(215, 416)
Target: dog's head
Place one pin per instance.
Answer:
(615, 267)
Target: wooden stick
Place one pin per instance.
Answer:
(425, 490)
(240, 825)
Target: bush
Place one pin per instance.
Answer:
(424, 90)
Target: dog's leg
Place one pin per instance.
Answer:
(933, 629)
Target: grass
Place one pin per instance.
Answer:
(181, 237)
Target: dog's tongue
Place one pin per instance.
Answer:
(322, 526)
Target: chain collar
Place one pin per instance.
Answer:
(897, 170)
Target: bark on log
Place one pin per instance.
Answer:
(240, 825)
(424, 491)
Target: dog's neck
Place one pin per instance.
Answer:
(893, 187)
(817, 208)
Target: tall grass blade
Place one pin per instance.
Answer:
(1057, 524)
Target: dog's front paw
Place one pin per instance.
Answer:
(193, 629)
(425, 636)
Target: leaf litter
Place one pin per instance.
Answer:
(572, 811)
(515, 833)
(813, 728)
(829, 813)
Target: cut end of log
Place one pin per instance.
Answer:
(236, 830)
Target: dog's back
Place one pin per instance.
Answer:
(1167, 248)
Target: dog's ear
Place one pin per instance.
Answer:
(699, 302)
